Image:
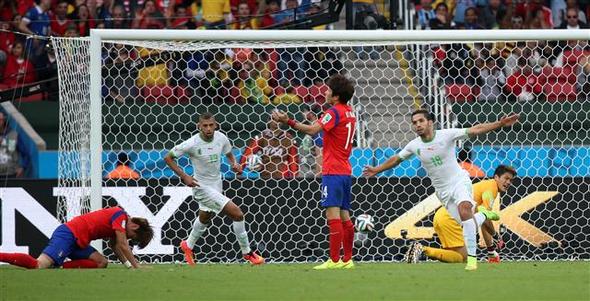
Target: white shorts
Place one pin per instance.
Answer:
(452, 197)
(210, 199)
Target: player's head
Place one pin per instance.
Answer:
(207, 125)
(340, 89)
(422, 122)
(140, 231)
(503, 175)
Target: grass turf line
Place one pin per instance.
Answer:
(375, 281)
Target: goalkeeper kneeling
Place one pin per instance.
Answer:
(450, 231)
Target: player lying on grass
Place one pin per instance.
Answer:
(449, 230)
(436, 151)
(72, 240)
(205, 150)
(338, 125)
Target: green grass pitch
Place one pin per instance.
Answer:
(369, 281)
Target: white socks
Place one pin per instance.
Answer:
(239, 230)
(470, 227)
(242, 236)
(198, 230)
(469, 231)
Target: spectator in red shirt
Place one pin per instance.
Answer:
(529, 9)
(149, 17)
(6, 39)
(268, 19)
(235, 6)
(7, 10)
(18, 70)
(181, 17)
(22, 6)
(59, 19)
(120, 19)
(276, 150)
(244, 17)
(538, 20)
(83, 20)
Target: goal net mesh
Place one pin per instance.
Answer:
(153, 91)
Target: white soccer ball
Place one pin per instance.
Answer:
(254, 162)
(364, 223)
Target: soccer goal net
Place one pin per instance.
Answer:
(127, 97)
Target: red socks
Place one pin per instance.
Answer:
(80, 264)
(336, 232)
(19, 259)
(347, 239)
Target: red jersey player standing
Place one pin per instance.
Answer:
(338, 124)
(72, 240)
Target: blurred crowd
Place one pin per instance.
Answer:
(523, 70)
(26, 56)
(477, 71)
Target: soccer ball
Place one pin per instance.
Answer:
(364, 223)
(254, 162)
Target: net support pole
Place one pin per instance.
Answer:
(95, 127)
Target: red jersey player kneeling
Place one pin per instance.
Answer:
(72, 240)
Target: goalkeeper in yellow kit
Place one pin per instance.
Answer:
(449, 231)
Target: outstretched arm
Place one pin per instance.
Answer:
(310, 129)
(492, 126)
(392, 162)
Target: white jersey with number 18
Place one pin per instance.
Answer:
(438, 157)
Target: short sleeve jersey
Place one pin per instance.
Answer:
(338, 124)
(205, 156)
(99, 224)
(438, 156)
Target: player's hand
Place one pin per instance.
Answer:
(237, 168)
(370, 171)
(280, 116)
(509, 120)
(190, 181)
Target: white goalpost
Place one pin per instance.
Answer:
(139, 91)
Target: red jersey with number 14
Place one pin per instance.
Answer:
(338, 123)
(99, 224)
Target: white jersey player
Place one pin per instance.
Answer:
(436, 151)
(204, 151)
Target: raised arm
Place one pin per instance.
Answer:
(392, 162)
(483, 128)
(310, 129)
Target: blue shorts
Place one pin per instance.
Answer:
(336, 191)
(63, 244)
